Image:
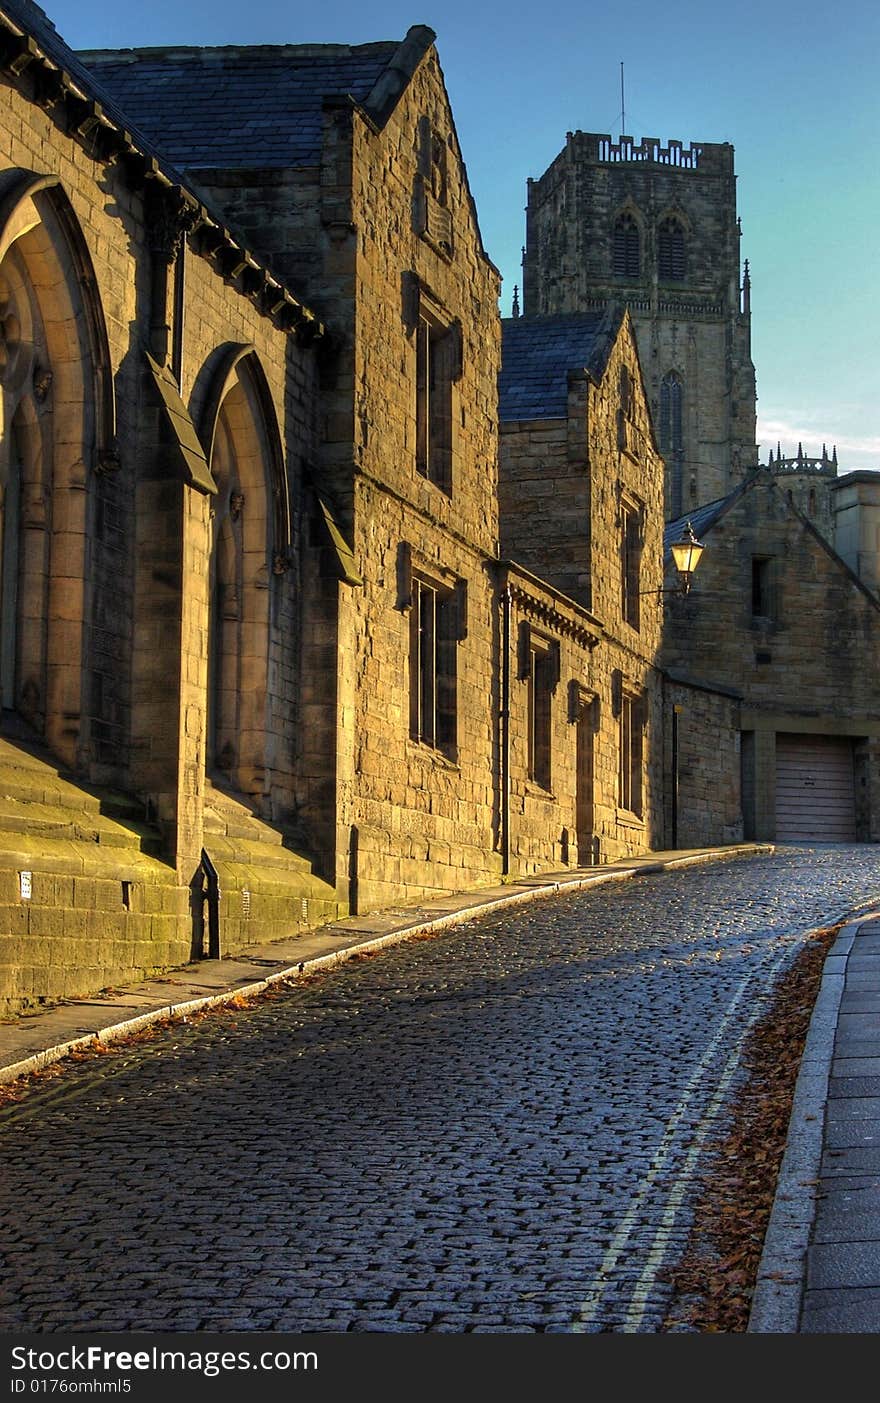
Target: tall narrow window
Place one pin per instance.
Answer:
(631, 562)
(541, 681)
(671, 263)
(626, 260)
(435, 358)
(631, 749)
(763, 602)
(625, 406)
(433, 684)
(672, 438)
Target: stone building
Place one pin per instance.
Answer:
(159, 403)
(363, 201)
(843, 507)
(776, 617)
(264, 659)
(768, 699)
(293, 623)
(856, 517)
(581, 500)
(655, 227)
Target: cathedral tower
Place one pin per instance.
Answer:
(655, 227)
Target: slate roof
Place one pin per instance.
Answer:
(34, 21)
(238, 106)
(26, 16)
(701, 519)
(538, 352)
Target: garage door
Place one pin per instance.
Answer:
(815, 794)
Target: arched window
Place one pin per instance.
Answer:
(672, 438)
(671, 264)
(250, 541)
(56, 421)
(626, 262)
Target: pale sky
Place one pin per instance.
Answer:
(791, 84)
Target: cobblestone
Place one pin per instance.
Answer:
(497, 1129)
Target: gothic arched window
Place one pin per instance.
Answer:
(672, 438)
(626, 261)
(56, 417)
(250, 539)
(671, 251)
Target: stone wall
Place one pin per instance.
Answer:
(565, 485)
(815, 652)
(855, 508)
(800, 646)
(701, 747)
(412, 818)
(120, 530)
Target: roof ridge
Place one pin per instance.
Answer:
(314, 50)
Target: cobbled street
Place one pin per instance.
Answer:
(495, 1129)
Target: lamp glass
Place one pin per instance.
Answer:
(686, 553)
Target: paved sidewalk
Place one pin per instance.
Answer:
(820, 1268)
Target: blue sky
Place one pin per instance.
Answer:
(793, 86)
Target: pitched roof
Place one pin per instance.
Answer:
(34, 21)
(702, 519)
(537, 354)
(243, 106)
(31, 27)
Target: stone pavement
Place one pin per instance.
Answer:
(820, 1268)
(819, 1271)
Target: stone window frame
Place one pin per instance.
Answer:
(764, 591)
(436, 600)
(61, 437)
(671, 250)
(626, 246)
(438, 345)
(250, 550)
(631, 547)
(540, 668)
(631, 711)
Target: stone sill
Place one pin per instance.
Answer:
(537, 791)
(428, 755)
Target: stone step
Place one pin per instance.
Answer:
(230, 814)
(231, 825)
(291, 885)
(39, 804)
(80, 857)
(29, 785)
(36, 821)
(234, 849)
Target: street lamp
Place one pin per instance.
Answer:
(686, 553)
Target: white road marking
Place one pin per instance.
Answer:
(593, 1300)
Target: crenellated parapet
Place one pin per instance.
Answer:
(715, 158)
(649, 149)
(801, 463)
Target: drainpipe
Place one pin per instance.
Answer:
(674, 777)
(178, 311)
(505, 730)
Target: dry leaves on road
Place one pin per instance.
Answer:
(715, 1280)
